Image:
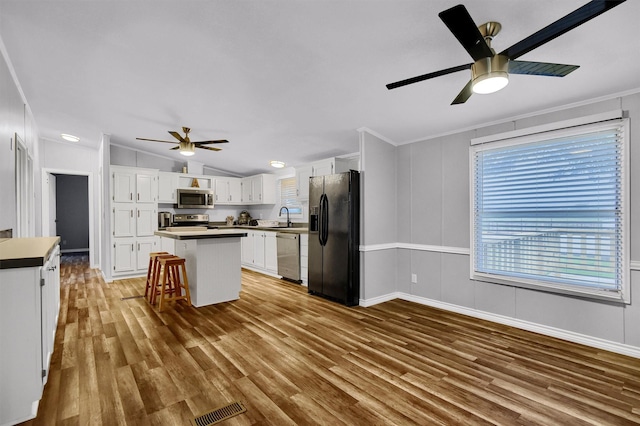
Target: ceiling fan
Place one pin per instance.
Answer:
(185, 145)
(490, 71)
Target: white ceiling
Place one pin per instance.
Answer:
(290, 80)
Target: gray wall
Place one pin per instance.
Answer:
(378, 216)
(72, 212)
(433, 213)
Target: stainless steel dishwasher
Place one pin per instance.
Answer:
(289, 256)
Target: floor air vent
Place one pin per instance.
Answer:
(219, 414)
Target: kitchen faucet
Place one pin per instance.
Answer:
(280, 214)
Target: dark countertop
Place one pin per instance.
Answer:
(290, 230)
(198, 235)
(26, 252)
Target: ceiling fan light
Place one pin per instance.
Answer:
(490, 74)
(276, 164)
(187, 149)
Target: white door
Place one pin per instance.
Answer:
(258, 250)
(270, 252)
(124, 222)
(52, 205)
(123, 186)
(235, 190)
(124, 255)
(247, 248)
(145, 246)
(145, 191)
(222, 191)
(146, 220)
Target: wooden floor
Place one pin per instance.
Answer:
(291, 358)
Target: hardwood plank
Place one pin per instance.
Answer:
(292, 358)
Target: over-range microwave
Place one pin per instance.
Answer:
(194, 198)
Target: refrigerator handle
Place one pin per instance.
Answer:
(325, 219)
(320, 219)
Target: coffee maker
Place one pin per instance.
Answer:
(164, 220)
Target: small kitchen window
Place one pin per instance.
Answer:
(550, 210)
(289, 198)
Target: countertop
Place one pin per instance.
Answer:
(197, 235)
(26, 252)
(291, 230)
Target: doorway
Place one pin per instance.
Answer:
(67, 210)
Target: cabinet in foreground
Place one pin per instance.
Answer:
(29, 309)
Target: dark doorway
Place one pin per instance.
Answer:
(72, 213)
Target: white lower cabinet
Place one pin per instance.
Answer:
(131, 255)
(29, 312)
(260, 252)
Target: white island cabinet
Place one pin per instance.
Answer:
(212, 261)
(29, 308)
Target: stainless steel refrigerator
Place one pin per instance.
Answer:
(334, 237)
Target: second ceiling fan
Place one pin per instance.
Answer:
(490, 71)
(185, 145)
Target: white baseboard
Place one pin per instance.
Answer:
(570, 336)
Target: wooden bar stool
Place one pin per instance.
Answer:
(174, 281)
(158, 272)
(153, 274)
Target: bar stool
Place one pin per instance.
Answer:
(172, 284)
(153, 274)
(159, 271)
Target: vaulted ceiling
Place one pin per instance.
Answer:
(290, 80)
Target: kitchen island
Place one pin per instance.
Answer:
(212, 260)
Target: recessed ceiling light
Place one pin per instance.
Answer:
(276, 164)
(69, 138)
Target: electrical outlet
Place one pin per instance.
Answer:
(414, 278)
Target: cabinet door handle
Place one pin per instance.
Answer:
(138, 196)
(138, 213)
(131, 196)
(131, 211)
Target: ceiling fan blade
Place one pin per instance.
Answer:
(210, 148)
(155, 140)
(177, 136)
(540, 68)
(214, 141)
(428, 76)
(464, 94)
(460, 23)
(174, 148)
(559, 27)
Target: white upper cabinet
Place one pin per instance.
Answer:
(259, 189)
(328, 166)
(131, 184)
(167, 186)
(302, 182)
(228, 190)
(123, 185)
(147, 187)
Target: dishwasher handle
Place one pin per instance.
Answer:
(287, 236)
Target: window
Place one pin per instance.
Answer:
(289, 196)
(549, 211)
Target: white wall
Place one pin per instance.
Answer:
(433, 241)
(15, 117)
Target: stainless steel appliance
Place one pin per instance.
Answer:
(194, 198)
(288, 256)
(192, 220)
(334, 237)
(164, 220)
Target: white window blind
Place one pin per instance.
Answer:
(289, 196)
(549, 211)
